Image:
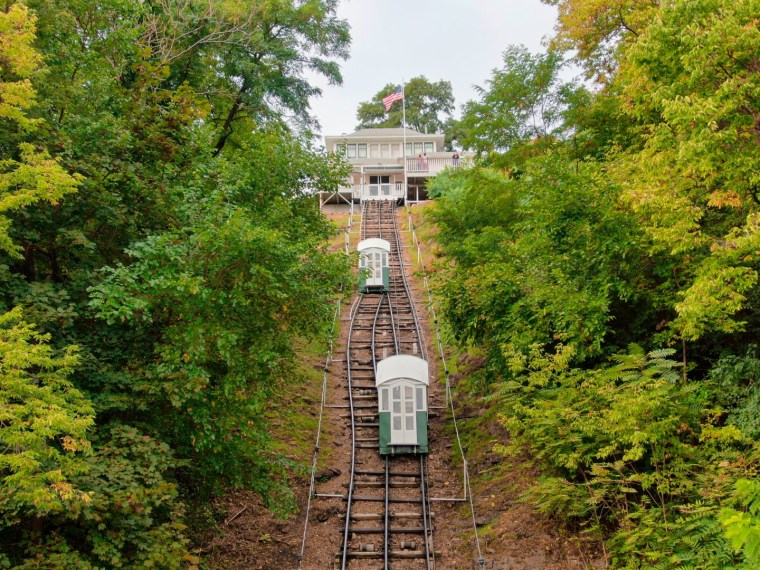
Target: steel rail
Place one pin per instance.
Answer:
(417, 328)
(387, 517)
(353, 435)
(427, 536)
(365, 207)
(399, 302)
(353, 431)
(373, 343)
(352, 475)
(396, 334)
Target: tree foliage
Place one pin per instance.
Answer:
(521, 104)
(610, 274)
(43, 425)
(223, 297)
(157, 214)
(742, 524)
(693, 80)
(598, 29)
(429, 106)
(27, 173)
(542, 259)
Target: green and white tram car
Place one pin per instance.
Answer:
(373, 265)
(402, 386)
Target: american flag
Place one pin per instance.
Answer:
(388, 100)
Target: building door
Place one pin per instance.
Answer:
(373, 262)
(379, 185)
(403, 416)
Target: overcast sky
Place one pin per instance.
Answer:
(459, 41)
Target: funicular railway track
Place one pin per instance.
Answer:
(388, 522)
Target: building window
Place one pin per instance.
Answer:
(379, 179)
(409, 407)
(417, 148)
(395, 150)
(374, 151)
(351, 151)
(428, 147)
(409, 149)
(362, 151)
(385, 150)
(340, 149)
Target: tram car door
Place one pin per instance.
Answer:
(402, 385)
(373, 265)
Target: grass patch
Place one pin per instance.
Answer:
(295, 418)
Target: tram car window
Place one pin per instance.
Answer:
(402, 385)
(373, 265)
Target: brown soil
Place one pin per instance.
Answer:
(511, 535)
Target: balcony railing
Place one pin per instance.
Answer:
(430, 166)
(414, 168)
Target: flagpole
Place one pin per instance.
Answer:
(403, 126)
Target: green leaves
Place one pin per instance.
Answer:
(224, 296)
(428, 107)
(43, 425)
(19, 61)
(184, 274)
(621, 217)
(692, 87)
(625, 446)
(742, 527)
(544, 259)
(519, 109)
(33, 178)
(28, 175)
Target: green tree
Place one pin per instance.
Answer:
(181, 215)
(691, 81)
(43, 425)
(428, 107)
(635, 224)
(597, 29)
(261, 53)
(742, 524)
(627, 447)
(542, 259)
(520, 109)
(27, 174)
(224, 295)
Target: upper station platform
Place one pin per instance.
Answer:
(389, 164)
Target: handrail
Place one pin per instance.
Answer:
(432, 165)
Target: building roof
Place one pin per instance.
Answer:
(385, 132)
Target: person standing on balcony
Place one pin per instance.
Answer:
(420, 162)
(455, 158)
(424, 161)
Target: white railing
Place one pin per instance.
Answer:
(430, 166)
(379, 191)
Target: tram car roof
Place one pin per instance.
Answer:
(373, 242)
(401, 366)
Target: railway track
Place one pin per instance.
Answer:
(388, 522)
